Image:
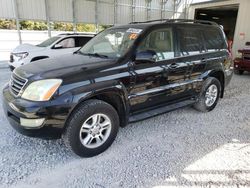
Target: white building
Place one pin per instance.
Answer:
(234, 15)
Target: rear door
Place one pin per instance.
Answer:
(191, 53)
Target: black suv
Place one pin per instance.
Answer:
(124, 74)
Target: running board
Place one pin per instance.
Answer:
(160, 110)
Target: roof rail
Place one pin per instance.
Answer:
(149, 21)
(192, 21)
(76, 34)
(179, 21)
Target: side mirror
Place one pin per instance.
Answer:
(58, 46)
(148, 55)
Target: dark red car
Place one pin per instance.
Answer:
(242, 63)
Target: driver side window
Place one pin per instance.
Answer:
(161, 42)
(67, 43)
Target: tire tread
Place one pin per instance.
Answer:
(83, 108)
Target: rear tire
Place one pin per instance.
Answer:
(239, 72)
(209, 95)
(91, 128)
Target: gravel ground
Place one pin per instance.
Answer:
(184, 148)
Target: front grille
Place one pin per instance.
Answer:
(16, 84)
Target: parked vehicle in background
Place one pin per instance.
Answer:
(242, 62)
(124, 74)
(52, 47)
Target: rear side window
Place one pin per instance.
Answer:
(81, 41)
(214, 40)
(190, 41)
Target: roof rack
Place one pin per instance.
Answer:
(149, 21)
(179, 21)
(76, 34)
(192, 21)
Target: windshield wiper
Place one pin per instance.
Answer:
(94, 54)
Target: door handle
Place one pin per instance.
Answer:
(173, 66)
(203, 60)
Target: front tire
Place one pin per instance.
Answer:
(209, 95)
(91, 128)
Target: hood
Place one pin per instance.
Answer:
(27, 48)
(66, 67)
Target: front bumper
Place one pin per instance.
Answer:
(240, 64)
(54, 113)
(15, 64)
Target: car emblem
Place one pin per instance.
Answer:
(11, 83)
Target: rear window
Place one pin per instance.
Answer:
(190, 41)
(81, 41)
(214, 40)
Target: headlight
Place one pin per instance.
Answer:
(19, 56)
(41, 90)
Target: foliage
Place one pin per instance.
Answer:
(61, 26)
(7, 24)
(31, 25)
(85, 27)
(57, 26)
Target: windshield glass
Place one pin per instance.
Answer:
(48, 42)
(111, 43)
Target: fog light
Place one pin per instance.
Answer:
(31, 122)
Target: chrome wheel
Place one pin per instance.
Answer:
(95, 130)
(211, 95)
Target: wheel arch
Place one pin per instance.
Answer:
(117, 101)
(115, 96)
(218, 74)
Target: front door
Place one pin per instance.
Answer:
(152, 85)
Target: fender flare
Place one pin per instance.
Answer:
(118, 89)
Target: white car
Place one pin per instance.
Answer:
(54, 46)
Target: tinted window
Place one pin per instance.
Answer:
(114, 42)
(214, 40)
(81, 41)
(48, 42)
(160, 41)
(190, 40)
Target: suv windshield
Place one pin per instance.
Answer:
(48, 42)
(111, 43)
